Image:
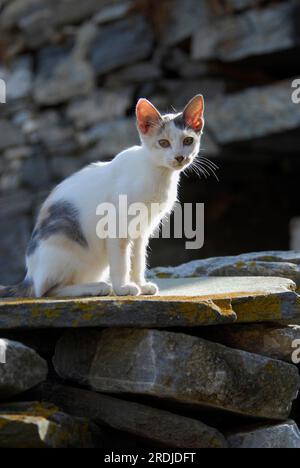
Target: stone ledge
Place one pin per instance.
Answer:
(281, 264)
(198, 301)
(41, 425)
(154, 425)
(177, 367)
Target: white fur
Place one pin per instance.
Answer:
(146, 174)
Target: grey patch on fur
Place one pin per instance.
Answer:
(177, 119)
(180, 122)
(62, 219)
(24, 289)
(33, 243)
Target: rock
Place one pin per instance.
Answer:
(110, 137)
(182, 303)
(122, 43)
(99, 107)
(74, 11)
(115, 312)
(10, 135)
(52, 131)
(15, 204)
(272, 340)
(214, 287)
(253, 113)
(238, 5)
(175, 60)
(285, 435)
(41, 425)
(255, 32)
(15, 231)
(62, 167)
(18, 10)
(19, 82)
(183, 19)
(295, 233)
(153, 425)
(24, 12)
(192, 70)
(276, 264)
(22, 370)
(180, 368)
(11, 167)
(85, 36)
(180, 92)
(17, 153)
(41, 341)
(113, 12)
(136, 74)
(34, 165)
(273, 256)
(68, 79)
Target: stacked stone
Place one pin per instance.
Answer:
(209, 363)
(74, 69)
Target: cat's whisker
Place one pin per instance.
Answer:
(198, 170)
(205, 168)
(209, 166)
(210, 171)
(209, 161)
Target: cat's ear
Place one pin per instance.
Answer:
(147, 116)
(194, 113)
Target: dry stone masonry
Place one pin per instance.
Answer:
(212, 362)
(209, 363)
(74, 69)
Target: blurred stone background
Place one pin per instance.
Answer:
(74, 70)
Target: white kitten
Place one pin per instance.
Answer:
(66, 257)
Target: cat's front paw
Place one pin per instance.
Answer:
(104, 289)
(149, 289)
(127, 290)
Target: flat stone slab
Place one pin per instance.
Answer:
(257, 31)
(21, 368)
(41, 425)
(285, 435)
(215, 287)
(281, 264)
(154, 425)
(228, 122)
(177, 367)
(182, 302)
(272, 340)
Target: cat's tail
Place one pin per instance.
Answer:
(22, 290)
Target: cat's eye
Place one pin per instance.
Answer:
(188, 141)
(164, 143)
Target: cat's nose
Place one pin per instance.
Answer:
(179, 159)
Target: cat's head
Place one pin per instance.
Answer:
(173, 140)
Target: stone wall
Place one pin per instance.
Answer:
(74, 70)
(212, 362)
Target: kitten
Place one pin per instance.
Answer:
(66, 257)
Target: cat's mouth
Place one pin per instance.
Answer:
(179, 166)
